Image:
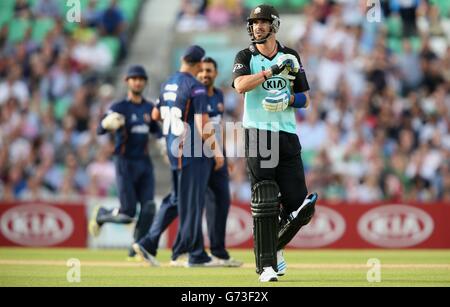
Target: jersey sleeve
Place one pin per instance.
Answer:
(301, 82)
(242, 64)
(199, 99)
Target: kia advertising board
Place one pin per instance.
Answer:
(396, 226)
(41, 224)
(381, 225)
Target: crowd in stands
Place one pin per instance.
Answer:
(378, 127)
(51, 99)
(203, 15)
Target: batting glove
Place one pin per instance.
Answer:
(277, 101)
(287, 66)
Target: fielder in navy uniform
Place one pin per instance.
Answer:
(217, 204)
(130, 123)
(183, 109)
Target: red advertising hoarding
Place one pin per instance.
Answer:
(381, 225)
(43, 224)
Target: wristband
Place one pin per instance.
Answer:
(299, 101)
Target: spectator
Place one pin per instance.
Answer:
(47, 8)
(369, 191)
(22, 9)
(408, 13)
(63, 80)
(218, 14)
(92, 55)
(191, 18)
(91, 15)
(67, 190)
(313, 132)
(198, 6)
(335, 190)
(112, 23)
(35, 190)
(408, 62)
(66, 139)
(101, 173)
(14, 87)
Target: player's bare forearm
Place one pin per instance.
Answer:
(205, 127)
(218, 154)
(156, 115)
(244, 84)
(207, 132)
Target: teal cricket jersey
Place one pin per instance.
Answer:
(248, 62)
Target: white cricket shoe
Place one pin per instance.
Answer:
(229, 263)
(180, 262)
(268, 275)
(281, 263)
(213, 263)
(94, 227)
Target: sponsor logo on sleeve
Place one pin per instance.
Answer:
(199, 91)
(237, 67)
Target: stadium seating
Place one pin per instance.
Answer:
(18, 27)
(282, 5)
(444, 7)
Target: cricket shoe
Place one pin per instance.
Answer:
(146, 256)
(268, 275)
(229, 263)
(94, 226)
(213, 263)
(281, 263)
(180, 262)
(135, 258)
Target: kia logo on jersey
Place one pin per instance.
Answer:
(395, 226)
(274, 83)
(36, 225)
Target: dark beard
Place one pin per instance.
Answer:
(136, 93)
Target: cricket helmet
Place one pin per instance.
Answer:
(263, 12)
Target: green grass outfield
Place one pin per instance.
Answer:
(47, 267)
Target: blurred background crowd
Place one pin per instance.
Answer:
(378, 128)
(51, 96)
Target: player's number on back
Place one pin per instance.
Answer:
(172, 121)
